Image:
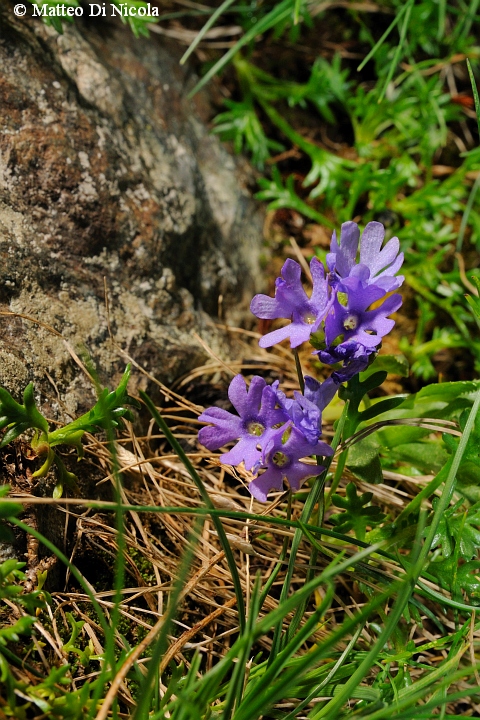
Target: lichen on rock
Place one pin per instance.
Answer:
(109, 178)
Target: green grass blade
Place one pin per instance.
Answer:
(380, 42)
(422, 589)
(468, 210)
(415, 693)
(207, 686)
(280, 562)
(475, 93)
(406, 589)
(307, 511)
(211, 21)
(237, 682)
(278, 690)
(280, 660)
(442, 13)
(469, 18)
(403, 33)
(279, 13)
(108, 666)
(316, 690)
(296, 11)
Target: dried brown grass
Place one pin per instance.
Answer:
(153, 476)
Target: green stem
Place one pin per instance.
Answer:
(336, 478)
(308, 508)
(298, 366)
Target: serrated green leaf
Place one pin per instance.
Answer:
(459, 527)
(356, 515)
(18, 418)
(109, 410)
(466, 577)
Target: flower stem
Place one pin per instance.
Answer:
(298, 366)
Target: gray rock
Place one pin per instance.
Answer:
(109, 178)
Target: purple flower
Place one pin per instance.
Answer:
(377, 266)
(353, 321)
(256, 407)
(292, 302)
(282, 460)
(320, 393)
(305, 410)
(305, 415)
(355, 358)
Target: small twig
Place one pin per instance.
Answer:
(463, 277)
(209, 350)
(189, 634)
(301, 259)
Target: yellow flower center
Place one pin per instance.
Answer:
(280, 459)
(350, 322)
(309, 318)
(255, 428)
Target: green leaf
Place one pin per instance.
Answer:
(475, 93)
(280, 12)
(428, 457)
(11, 633)
(447, 391)
(7, 510)
(76, 626)
(282, 195)
(364, 462)
(110, 409)
(18, 418)
(358, 513)
(138, 23)
(35, 416)
(392, 364)
(474, 300)
(467, 578)
(378, 408)
(241, 125)
(468, 474)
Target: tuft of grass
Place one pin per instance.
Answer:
(369, 624)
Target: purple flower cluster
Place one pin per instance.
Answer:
(272, 433)
(341, 300)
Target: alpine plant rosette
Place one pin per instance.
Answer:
(345, 319)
